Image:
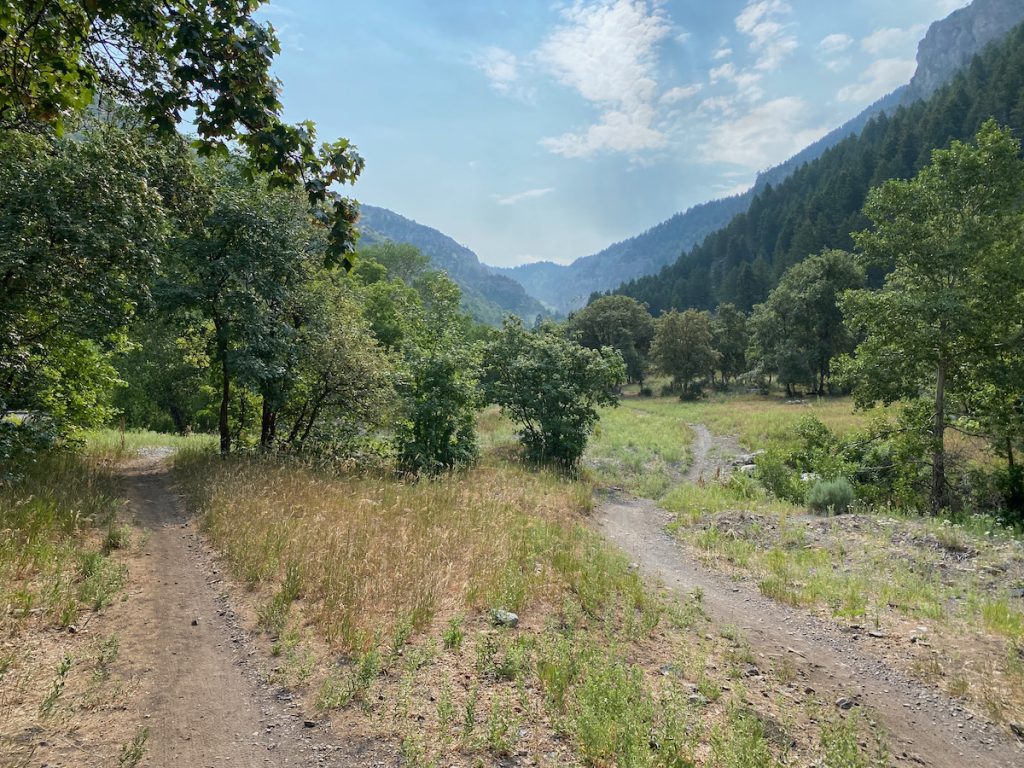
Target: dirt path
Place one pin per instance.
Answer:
(925, 727)
(712, 455)
(197, 690)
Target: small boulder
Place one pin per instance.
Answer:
(503, 618)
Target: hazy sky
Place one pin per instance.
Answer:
(532, 129)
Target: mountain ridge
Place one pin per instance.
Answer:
(488, 297)
(947, 47)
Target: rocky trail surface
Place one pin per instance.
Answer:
(924, 726)
(199, 692)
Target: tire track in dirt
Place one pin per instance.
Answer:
(197, 692)
(925, 727)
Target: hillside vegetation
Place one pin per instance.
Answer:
(819, 206)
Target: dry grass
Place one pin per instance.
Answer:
(376, 598)
(370, 555)
(58, 533)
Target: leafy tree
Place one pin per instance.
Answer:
(341, 382)
(682, 347)
(165, 58)
(81, 232)
(618, 322)
(400, 261)
(438, 383)
(950, 238)
(730, 340)
(167, 377)
(552, 387)
(242, 272)
(799, 330)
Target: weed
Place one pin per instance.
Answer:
(106, 655)
(502, 729)
(101, 578)
(117, 537)
(56, 687)
(339, 690)
(133, 752)
(708, 688)
(453, 634)
(469, 711)
(742, 744)
(841, 747)
(413, 752)
(611, 713)
(445, 706)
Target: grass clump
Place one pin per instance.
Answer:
(833, 497)
(53, 556)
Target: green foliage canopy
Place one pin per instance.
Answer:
(798, 331)
(618, 322)
(951, 241)
(683, 348)
(551, 386)
(164, 58)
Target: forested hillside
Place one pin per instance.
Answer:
(485, 296)
(820, 205)
(949, 46)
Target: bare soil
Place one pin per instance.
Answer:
(924, 725)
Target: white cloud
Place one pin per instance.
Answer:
(722, 53)
(770, 38)
(747, 83)
(606, 50)
(680, 93)
(618, 131)
(500, 66)
(833, 44)
(518, 197)
(879, 78)
(764, 135)
(892, 39)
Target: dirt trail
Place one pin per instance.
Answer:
(197, 691)
(925, 727)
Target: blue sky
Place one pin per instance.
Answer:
(534, 129)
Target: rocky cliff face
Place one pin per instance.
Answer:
(951, 43)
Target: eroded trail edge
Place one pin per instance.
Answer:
(925, 727)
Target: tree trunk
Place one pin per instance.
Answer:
(225, 401)
(268, 424)
(181, 425)
(940, 497)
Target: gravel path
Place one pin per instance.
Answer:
(925, 727)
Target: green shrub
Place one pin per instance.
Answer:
(778, 478)
(832, 496)
(552, 387)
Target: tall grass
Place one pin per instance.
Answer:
(643, 446)
(58, 520)
(367, 555)
(114, 445)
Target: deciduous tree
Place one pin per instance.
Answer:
(950, 240)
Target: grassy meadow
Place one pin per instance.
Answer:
(60, 534)
(378, 600)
